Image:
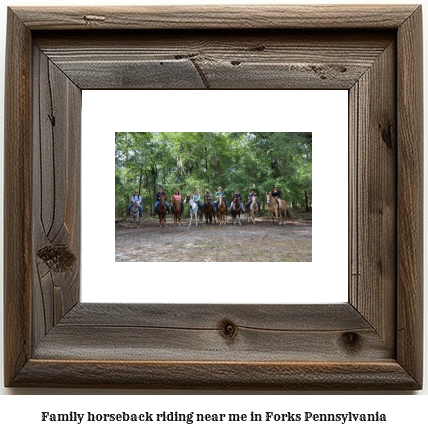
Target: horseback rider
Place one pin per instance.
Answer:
(134, 198)
(197, 199)
(177, 197)
(220, 193)
(276, 194)
(250, 199)
(235, 196)
(209, 196)
(158, 199)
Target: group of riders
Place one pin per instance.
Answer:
(208, 197)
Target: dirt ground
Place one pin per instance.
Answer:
(261, 242)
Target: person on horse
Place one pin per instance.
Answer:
(177, 197)
(209, 196)
(158, 199)
(197, 199)
(235, 196)
(134, 199)
(217, 195)
(276, 194)
(250, 199)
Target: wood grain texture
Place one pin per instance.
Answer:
(199, 332)
(217, 17)
(373, 178)
(56, 194)
(17, 199)
(216, 59)
(372, 342)
(410, 196)
(340, 317)
(385, 375)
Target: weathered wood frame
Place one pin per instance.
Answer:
(372, 342)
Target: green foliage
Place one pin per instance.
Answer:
(187, 161)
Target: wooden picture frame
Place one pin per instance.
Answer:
(372, 342)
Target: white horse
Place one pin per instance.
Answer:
(135, 211)
(254, 208)
(193, 209)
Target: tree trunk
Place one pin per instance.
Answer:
(155, 178)
(206, 164)
(306, 201)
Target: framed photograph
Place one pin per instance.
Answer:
(53, 339)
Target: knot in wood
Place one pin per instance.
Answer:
(228, 330)
(58, 259)
(351, 340)
(386, 134)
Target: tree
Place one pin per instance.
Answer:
(197, 160)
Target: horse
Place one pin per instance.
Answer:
(236, 210)
(193, 209)
(208, 211)
(283, 208)
(277, 209)
(135, 211)
(161, 211)
(253, 210)
(176, 210)
(221, 211)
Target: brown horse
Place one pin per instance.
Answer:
(276, 209)
(236, 210)
(176, 210)
(221, 211)
(208, 211)
(161, 211)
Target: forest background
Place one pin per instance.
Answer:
(186, 161)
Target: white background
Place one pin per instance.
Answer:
(406, 413)
(325, 113)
